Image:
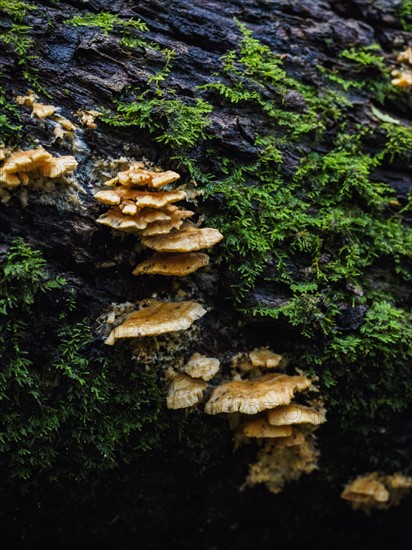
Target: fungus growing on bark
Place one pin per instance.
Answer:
(189, 239)
(138, 175)
(38, 109)
(260, 427)
(366, 492)
(293, 413)
(200, 366)
(158, 318)
(403, 79)
(176, 265)
(377, 491)
(119, 195)
(405, 56)
(253, 396)
(184, 391)
(264, 357)
(19, 165)
(276, 465)
(176, 219)
(87, 118)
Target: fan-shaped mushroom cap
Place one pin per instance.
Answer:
(189, 239)
(260, 427)
(137, 175)
(141, 198)
(15, 169)
(403, 79)
(176, 265)
(55, 167)
(293, 413)
(367, 490)
(39, 110)
(26, 161)
(263, 357)
(175, 220)
(405, 56)
(200, 366)
(184, 392)
(158, 318)
(117, 220)
(253, 396)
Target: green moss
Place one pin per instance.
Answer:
(70, 407)
(316, 237)
(405, 15)
(109, 22)
(16, 8)
(9, 118)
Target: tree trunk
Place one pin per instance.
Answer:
(297, 147)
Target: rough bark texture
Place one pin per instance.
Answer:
(189, 495)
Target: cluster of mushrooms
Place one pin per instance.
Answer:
(259, 407)
(376, 491)
(24, 167)
(139, 206)
(403, 75)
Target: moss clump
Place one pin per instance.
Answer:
(405, 15)
(70, 408)
(315, 237)
(128, 29)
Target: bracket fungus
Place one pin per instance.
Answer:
(20, 166)
(260, 427)
(264, 357)
(38, 109)
(293, 413)
(253, 396)
(200, 366)
(158, 318)
(377, 491)
(138, 175)
(176, 265)
(184, 391)
(403, 76)
(154, 217)
(189, 239)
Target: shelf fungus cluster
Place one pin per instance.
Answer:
(264, 410)
(403, 75)
(141, 206)
(187, 389)
(376, 491)
(260, 407)
(24, 167)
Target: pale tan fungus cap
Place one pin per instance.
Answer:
(158, 318)
(176, 219)
(403, 79)
(200, 366)
(175, 265)
(189, 239)
(263, 357)
(184, 392)
(25, 161)
(56, 167)
(293, 413)
(405, 56)
(137, 175)
(253, 396)
(260, 427)
(366, 489)
(141, 198)
(123, 222)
